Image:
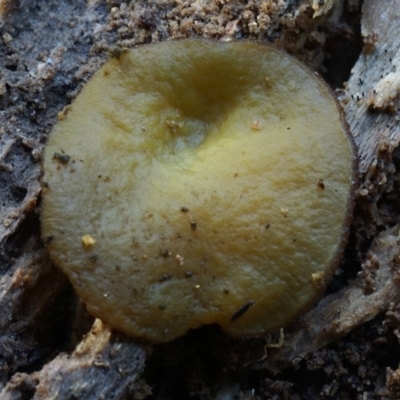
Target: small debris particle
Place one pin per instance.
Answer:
(284, 212)
(165, 277)
(197, 287)
(318, 279)
(88, 241)
(370, 267)
(94, 258)
(7, 38)
(237, 314)
(236, 175)
(267, 226)
(370, 41)
(226, 291)
(173, 125)
(179, 259)
(98, 362)
(165, 332)
(161, 307)
(270, 345)
(165, 253)
(193, 225)
(63, 113)
(61, 158)
(384, 95)
(256, 126)
(184, 209)
(321, 184)
(267, 82)
(188, 274)
(321, 7)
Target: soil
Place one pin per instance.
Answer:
(346, 347)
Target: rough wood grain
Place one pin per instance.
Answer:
(371, 100)
(25, 298)
(103, 366)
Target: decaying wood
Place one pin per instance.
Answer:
(338, 314)
(34, 86)
(103, 366)
(371, 100)
(39, 77)
(24, 298)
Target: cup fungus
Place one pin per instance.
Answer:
(195, 182)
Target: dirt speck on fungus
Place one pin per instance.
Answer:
(61, 158)
(237, 314)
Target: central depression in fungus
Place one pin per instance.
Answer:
(195, 182)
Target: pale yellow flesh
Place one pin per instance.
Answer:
(238, 134)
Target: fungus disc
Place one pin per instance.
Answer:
(195, 182)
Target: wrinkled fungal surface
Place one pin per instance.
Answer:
(195, 182)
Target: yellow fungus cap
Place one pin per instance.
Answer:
(218, 179)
